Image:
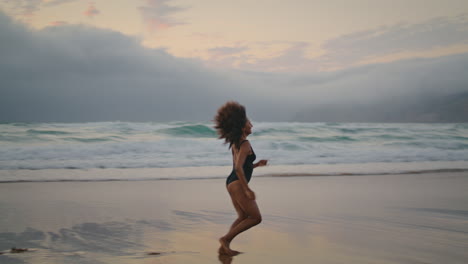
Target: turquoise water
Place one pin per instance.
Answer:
(37, 146)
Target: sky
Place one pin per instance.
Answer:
(159, 60)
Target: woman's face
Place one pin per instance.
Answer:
(248, 128)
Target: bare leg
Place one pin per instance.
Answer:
(241, 215)
(249, 216)
(227, 243)
(245, 224)
(237, 221)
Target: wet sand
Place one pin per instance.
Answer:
(412, 218)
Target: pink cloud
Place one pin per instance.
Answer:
(157, 15)
(226, 51)
(155, 24)
(58, 23)
(207, 36)
(91, 11)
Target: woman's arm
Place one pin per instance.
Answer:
(261, 163)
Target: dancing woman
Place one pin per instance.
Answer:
(233, 126)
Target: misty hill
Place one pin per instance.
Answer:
(445, 109)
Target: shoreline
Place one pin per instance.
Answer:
(292, 175)
(221, 172)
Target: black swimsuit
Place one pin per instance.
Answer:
(248, 167)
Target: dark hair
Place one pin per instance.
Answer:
(229, 122)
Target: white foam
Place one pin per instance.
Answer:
(221, 172)
(151, 145)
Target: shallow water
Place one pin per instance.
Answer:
(421, 218)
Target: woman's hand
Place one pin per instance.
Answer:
(250, 194)
(261, 163)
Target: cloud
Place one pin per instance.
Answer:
(292, 59)
(157, 15)
(57, 2)
(72, 73)
(226, 51)
(207, 36)
(27, 8)
(227, 56)
(58, 23)
(77, 73)
(359, 47)
(438, 32)
(91, 11)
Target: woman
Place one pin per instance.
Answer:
(233, 126)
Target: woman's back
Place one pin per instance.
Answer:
(247, 166)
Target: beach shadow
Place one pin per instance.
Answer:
(225, 259)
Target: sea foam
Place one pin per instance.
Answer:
(120, 145)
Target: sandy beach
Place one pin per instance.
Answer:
(411, 218)
(120, 122)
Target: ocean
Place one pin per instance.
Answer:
(117, 192)
(181, 150)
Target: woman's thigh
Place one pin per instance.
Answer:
(240, 212)
(235, 189)
(244, 206)
(250, 207)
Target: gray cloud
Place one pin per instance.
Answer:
(438, 32)
(77, 73)
(29, 7)
(72, 73)
(57, 2)
(25, 7)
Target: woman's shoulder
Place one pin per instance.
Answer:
(245, 146)
(244, 142)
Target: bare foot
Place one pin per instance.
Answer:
(225, 259)
(234, 252)
(221, 251)
(224, 249)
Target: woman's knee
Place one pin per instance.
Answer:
(242, 217)
(257, 219)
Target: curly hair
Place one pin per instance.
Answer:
(229, 123)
